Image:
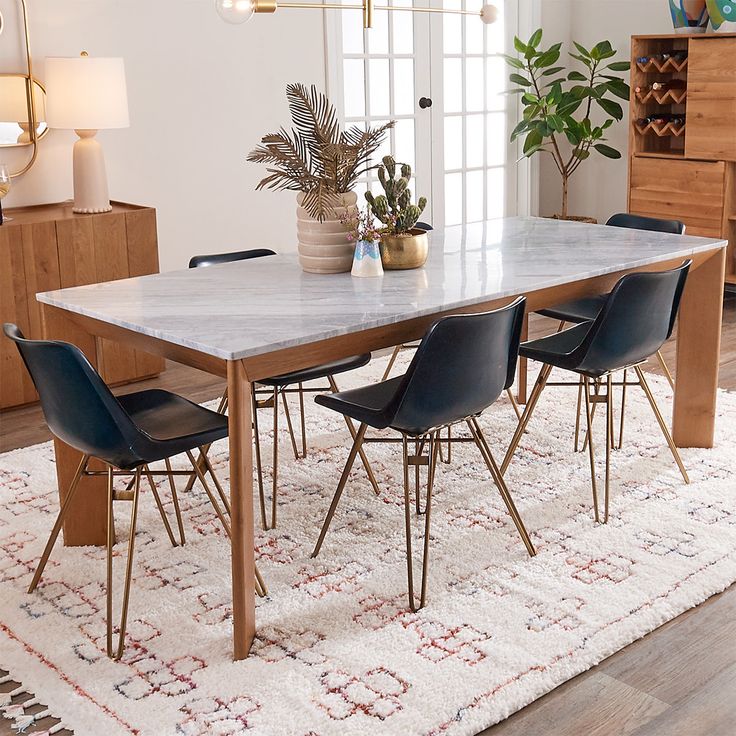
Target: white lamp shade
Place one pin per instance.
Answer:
(13, 105)
(86, 93)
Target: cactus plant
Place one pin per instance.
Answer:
(394, 208)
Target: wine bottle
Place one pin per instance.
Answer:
(642, 89)
(670, 84)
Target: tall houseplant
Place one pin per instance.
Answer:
(323, 163)
(559, 104)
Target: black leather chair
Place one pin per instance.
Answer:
(127, 433)
(460, 368)
(587, 308)
(281, 386)
(636, 319)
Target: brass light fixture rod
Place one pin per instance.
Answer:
(30, 94)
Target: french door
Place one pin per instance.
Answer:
(442, 79)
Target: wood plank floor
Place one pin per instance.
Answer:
(680, 680)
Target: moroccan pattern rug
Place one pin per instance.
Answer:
(338, 651)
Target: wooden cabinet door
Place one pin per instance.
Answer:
(711, 99)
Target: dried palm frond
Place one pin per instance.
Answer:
(316, 157)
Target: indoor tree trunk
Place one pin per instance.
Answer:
(565, 181)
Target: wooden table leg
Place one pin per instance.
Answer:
(698, 353)
(86, 520)
(523, 369)
(241, 503)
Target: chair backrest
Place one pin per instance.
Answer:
(461, 367)
(239, 255)
(637, 318)
(79, 408)
(654, 224)
(423, 226)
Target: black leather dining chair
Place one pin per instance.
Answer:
(587, 308)
(460, 368)
(127, 433)
(281, 386)
(636, 319)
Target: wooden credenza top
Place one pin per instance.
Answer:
(55, 211)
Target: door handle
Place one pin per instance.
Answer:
(425, 102)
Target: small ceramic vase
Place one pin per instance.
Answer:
(689, 16)
(722, 15)
(367, 260)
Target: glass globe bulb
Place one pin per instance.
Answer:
(489, 14)
(235, 11)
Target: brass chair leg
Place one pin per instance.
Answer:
(159, 505)
(357, 442)
(259, 463)
(433, 447)
(221, 409)
(591, 451)
(261, 589)
(665, 369)
(662, 423)
(128, 571)
(597, 390)
(361, 453)
(577, 414)
(218, 486)
(514, 403)
(609, 444)
(58, 523)
(207, 490)
(623, 412)
(110, 542)
(275, 458)
(391, 362)
(175, 496)
(498, 480)
(303, 420)
(526, 416)
(287, 414)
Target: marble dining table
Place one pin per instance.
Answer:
(253, 319)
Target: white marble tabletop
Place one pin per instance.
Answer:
(257, 306)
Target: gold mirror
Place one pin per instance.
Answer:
(22, 99)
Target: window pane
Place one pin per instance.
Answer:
(379, 83)
(452, 31)
(378, 33)
(474, 29)
(354, 82)
(474, 84)
(474, 141)
(496, 74)
(496, 144)
(453, 142)
(352, 31)
(453, 86)
(496, 181)
(403, 87)
(495, 32)
(474, 196)
(404, 142)
(403, 28)
(453, 199)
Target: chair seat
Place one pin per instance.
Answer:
(173, 423)
(366, 404)
(555, 349)
(578, 310)
(318, 371)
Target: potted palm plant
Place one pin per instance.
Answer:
(322, 163)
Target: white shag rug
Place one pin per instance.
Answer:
(338, 652)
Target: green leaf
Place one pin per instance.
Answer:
(533, 140)
(619, 66)
(518, 79)
(568, 107)
(522, 127)
(607, 151)
(620, 89)
(529, 99)
(584, 59)
(547, 58)
(576, 76)
(514, 61)
(556, 123)
(572, 137)
(553, 70)
(602, 50)
(519, 45)
(581, 154)
(582, 50)
(536, 38)
(555, 94)
(612, 108)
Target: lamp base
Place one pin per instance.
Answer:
(90, 178)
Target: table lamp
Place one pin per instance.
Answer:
(87, 94)
(14, 105)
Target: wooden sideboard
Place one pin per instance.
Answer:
(49, 247)
(686, 169)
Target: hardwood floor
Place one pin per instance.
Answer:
(677, 681)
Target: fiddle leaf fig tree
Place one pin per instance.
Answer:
(559, 104)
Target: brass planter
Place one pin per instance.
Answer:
(399, 252)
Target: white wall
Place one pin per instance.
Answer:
(598, 188)
(201, 94)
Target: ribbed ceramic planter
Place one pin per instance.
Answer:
(722, 15)
(323, 246)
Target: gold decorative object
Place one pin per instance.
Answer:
(241, 11)
(401, 252)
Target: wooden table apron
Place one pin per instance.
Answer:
(699, 334)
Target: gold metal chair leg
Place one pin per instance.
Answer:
(577, 414)
(207, 490)
(662, 423)
(433, 448)
(290, 427)
(259, 463)
(175, 497)
(591, 450)
(58, 523)
(275, 458)
(261, 589)
(514, 403)
(110, 542)
(357, 442)
(218, 486)
(361, 453)
(303, 420)
(391, 362)
(221, 409)
(128, 573)
(498, 480)
(623, 411)
(597, 390)
(159, 505)
(665, 369)
(526, 416)
(609, 444)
